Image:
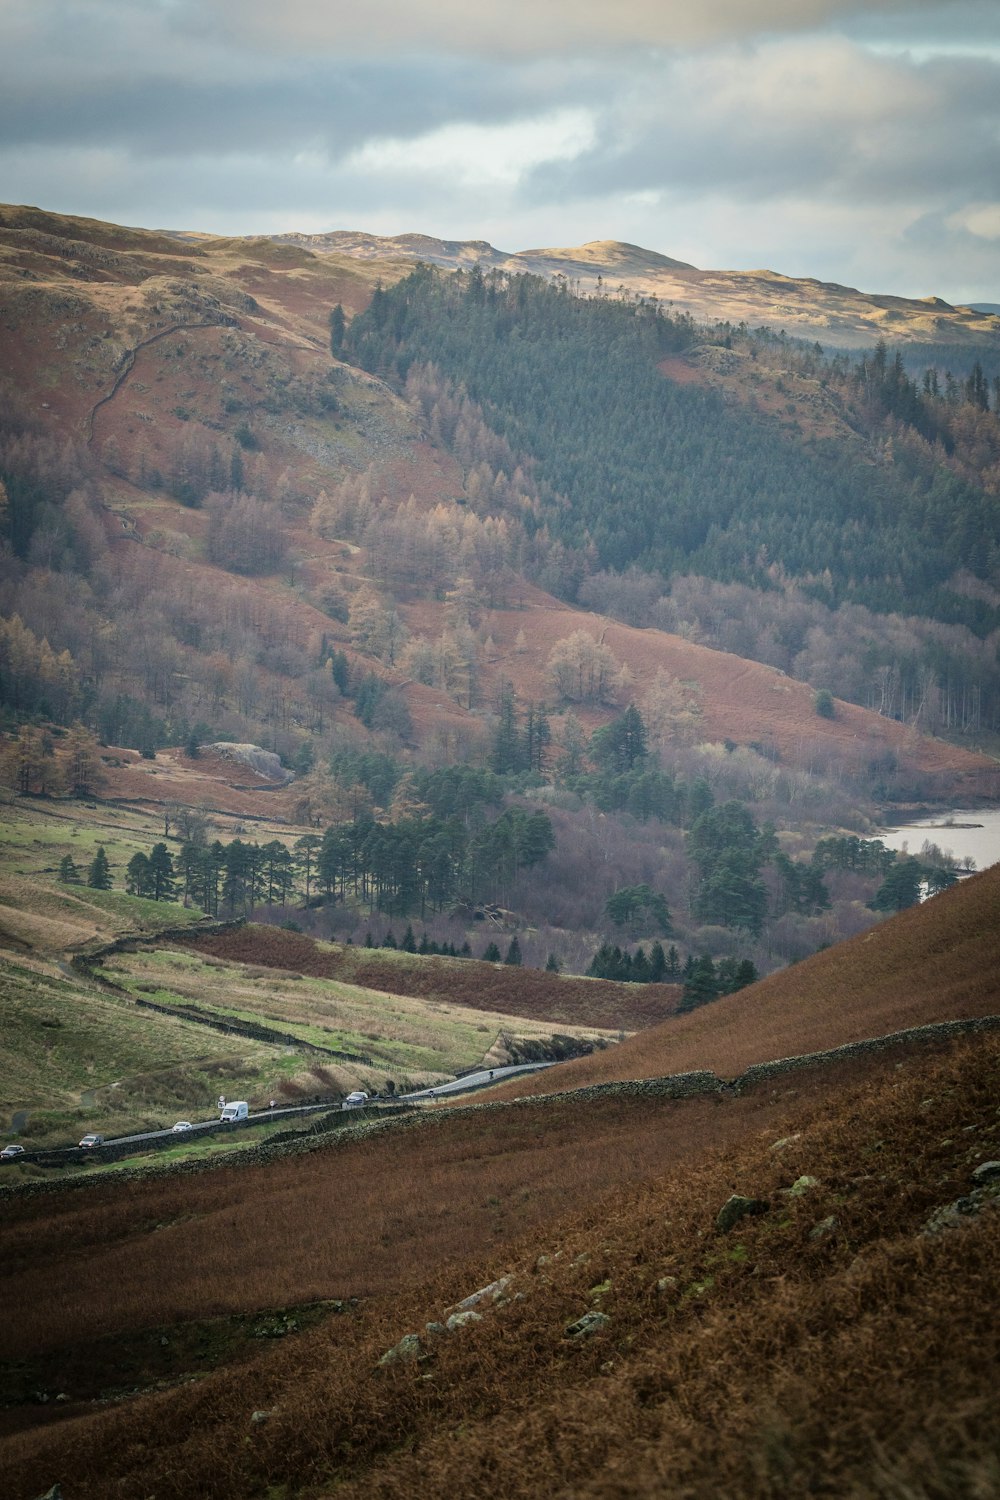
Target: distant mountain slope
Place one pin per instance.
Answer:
(838, 316)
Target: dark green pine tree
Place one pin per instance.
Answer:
(138, 876)
(552, 965)
(338, 327)
(68, 872)
(163, 884)
(900, 888)
(409, 943)
(702, 986)
(99, 874)
(491, 954)
(513, 955)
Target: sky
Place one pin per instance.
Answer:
(854, 142)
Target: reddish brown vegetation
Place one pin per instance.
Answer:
(936, 962)
(769, 1362)
(508, 990)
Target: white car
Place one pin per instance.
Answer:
(355, 1100)
(11, 1153)
(181, 1126)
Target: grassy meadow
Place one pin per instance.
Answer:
(408, 1037)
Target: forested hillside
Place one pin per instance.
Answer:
(637, 470)
(464, 598)
(835, 518)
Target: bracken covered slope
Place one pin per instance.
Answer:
(936, 962)
(835, 1340)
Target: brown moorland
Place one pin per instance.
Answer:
(508, 989)
(939, 961)
(828, 1346)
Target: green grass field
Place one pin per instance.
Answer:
(419, 1038)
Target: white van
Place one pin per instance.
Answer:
(237, 1110)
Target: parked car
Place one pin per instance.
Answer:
(11, 1153)
(355, 1100)
(180, 1126)
(91, 1139)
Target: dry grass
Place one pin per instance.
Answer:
(499, 988)
(774, 1363)
(936, 962)
(404, 1035)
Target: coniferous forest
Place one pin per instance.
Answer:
(634, 470)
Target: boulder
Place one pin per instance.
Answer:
(736, 1208)
(587, 1326)
(406, 1351)
(491, 1293)
(824, 1227)
(462, 1320)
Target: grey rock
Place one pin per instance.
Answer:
(666, 1285)
(493, 1293)
(824, 1227)
(258, 1418)
(736, 1208)
(406, 1351)
(987, 1171)
(802, 1185)
(462, 1320)
(587, 1326)
(435, 1329)
(55, 1493)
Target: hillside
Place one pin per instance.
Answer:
(221, 530)
(834, 1332)
(935, 962)
(838, 316)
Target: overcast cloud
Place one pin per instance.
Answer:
(854, 142)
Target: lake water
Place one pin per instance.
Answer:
(980, 842)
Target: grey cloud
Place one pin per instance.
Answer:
(332, 108)
(904, 132)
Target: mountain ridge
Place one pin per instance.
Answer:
(841, 316)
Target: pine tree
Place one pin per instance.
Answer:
(99, 874)
(68, 872)
(514, 952)
(163, 885)
(338, 327)
(491, 954)
(138, 876)
(552, 965)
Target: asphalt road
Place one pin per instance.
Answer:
(466, 1084)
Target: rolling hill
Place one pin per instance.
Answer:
(839, 316)
(830, 1321)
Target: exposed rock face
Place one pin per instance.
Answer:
(263, 763)
(736, 1208)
